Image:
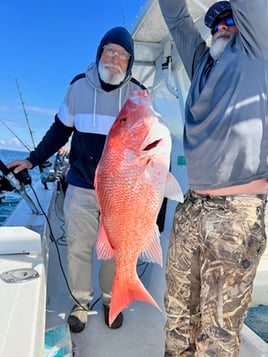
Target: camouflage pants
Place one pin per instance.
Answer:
(214, 250)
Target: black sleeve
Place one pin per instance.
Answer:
(56, 136)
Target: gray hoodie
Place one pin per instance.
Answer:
(87, 113)
(226, 111)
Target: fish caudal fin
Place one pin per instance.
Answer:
(124, 295)
(173, 190)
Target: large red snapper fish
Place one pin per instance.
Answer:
(131, 181)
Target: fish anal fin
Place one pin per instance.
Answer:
(104, 249)
(173, 190)
(152, 251)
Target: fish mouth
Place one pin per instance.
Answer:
(152, 145)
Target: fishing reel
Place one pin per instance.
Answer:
(2, 196)
(48, 176)
(45, 164)
(5, 185)
(10, 181)
(23, 177)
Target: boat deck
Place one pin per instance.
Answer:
(142, 331)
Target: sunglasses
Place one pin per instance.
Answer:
(229, 21)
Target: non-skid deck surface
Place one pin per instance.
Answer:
(257, 320)
(142, 333)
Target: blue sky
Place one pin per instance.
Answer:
(44, 44)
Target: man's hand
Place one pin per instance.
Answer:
(20, 165)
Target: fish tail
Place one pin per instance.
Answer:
(124, 294)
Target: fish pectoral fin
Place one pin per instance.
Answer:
(104, 249)
(173, 190)
(152, 251)
(145, 177)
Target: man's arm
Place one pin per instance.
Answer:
(251, 19)
(55, 137)
(182, 29)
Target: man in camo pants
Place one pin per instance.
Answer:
(214, 251)
(218, 233)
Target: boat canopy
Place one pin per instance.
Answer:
(157, 64)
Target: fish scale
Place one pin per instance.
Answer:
(132, 178)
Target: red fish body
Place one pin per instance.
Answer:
(131, 181)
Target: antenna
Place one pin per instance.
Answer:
(25, 113)
(123, 14)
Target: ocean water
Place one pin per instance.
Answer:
(11, 199)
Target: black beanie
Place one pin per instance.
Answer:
(120, 36)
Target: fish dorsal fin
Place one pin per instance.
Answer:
(173, 190)
(152, 252)
(103, 247)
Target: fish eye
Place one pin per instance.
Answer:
(123, 119)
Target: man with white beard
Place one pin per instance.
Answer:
(91, 104)
(223, 28)
(218, 234)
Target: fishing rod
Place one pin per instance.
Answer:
(31, 132)
(25, 113)
(17, 182)
(26, 147)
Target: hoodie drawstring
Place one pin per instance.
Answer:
(95, 105)
(94, 108)
(120, 100)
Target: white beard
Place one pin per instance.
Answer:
(218, 45)
(108, 77)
